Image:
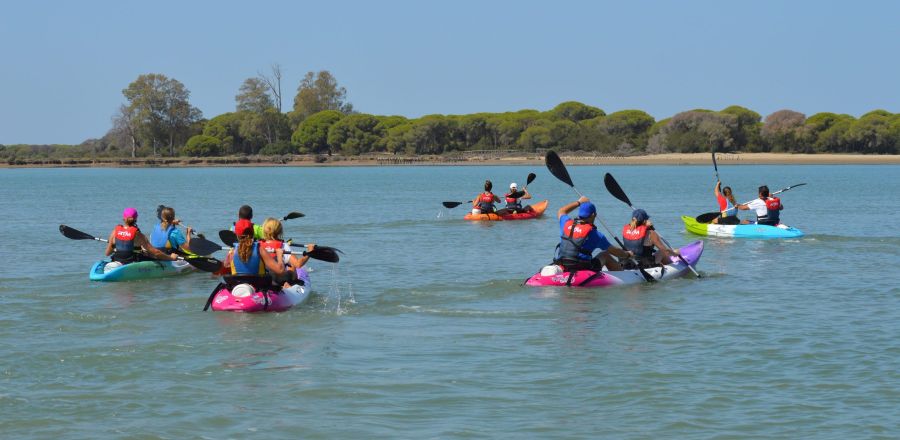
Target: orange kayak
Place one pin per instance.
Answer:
(538, 211)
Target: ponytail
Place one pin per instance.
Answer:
(245, 246)
(166, 217)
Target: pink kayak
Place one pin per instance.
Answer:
(246, 298)
(554, 275)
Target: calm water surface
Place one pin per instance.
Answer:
(424, 329)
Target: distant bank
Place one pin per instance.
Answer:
(488, 159)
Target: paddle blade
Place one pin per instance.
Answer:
(75, 234)
(557, 168)
(228, 237)
(293, 215)
(613, 187)
(202, 246)
(451, 205)
(715, 165)
(325, 253)
(707, 217)
(531, 177)
(206, 264)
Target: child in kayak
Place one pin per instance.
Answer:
(727, 206)
(484, 202)
(768, 209)
(513, 197)
(579, 237)
(166, 235)
(126, 242)
(245, 217)
(273, 244)
(641, 240)
(246, 260)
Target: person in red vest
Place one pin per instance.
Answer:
(579, 238)
(768, 209)
(127, 244)
(640, 238)
(484, 202)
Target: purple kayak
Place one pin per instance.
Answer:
(555, 275)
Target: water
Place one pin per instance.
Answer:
(424, 330)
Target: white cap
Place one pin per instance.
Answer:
(513, 185)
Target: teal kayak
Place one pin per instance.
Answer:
(106, 270)
(740, 231)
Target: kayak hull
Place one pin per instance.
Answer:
(105, 270)
(740, 231)
(245, 299)
(538, 211)
(556, 276)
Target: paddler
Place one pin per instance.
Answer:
(768, 209)
(641, 239)
(579, 237)
(274, 245)
(727, 206)
(246, 260)
(484, 202)
(126, 242)
(513, 197)
(245, 214)
(166, 235)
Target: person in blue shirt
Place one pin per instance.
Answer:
(166, 236)
(579, 238)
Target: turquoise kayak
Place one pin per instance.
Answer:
(740, 231)
(106, 270)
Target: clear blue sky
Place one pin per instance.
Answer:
(63, 64)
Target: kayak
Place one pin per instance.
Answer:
(740, 231)
(538, 210)
(555, 275)
(244, 298)
(106, 270)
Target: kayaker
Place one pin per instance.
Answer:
(727, 206)
(484, 202)
(245, 215)
(166, 235)
(639, 237)
(246, 260)
(579, 237)
(513, 203)
(273, 244)
(126, 242)
(768, 209)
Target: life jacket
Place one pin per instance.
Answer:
(570, 244)
(253, 266)
(125, 243)
(270, 246)
(726, 207)
(160, 239)
(486, 202)
(512, 202)
(634, 240)
(773, 211)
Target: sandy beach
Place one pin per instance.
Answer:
(469, 159)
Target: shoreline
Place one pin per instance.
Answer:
(472, 160)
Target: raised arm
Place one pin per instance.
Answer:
(568, 208)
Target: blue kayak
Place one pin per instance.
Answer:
(740, 231)
(106, 270)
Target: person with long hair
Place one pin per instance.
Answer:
(167, 236)
(127, 244)
(727, 206)
(484, 202)
(246, 260)
(641, 239)
(273, 244)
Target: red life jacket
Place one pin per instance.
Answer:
(773, 204)
(270, 246)
(574, 236)
(486, 202)
(512, 202)
(634, 239)
(124, 242)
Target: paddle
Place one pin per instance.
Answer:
(558, 169)
(613, 187)
(206, 264)
(202, 246)
(452, 205)
(707, 217)
(716, 166)
(323, 253)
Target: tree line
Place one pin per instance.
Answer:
(157, 119)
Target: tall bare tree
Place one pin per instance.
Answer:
(273, 83)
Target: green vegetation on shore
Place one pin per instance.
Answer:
(157, 120)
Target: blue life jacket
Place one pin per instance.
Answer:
(730, 210)
(161, 239)
(254, 266)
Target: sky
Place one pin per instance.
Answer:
(63, 64)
